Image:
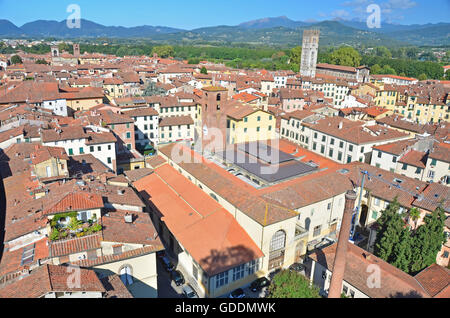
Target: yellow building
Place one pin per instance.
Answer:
(249, 124)
(50, 163)
(387, 97)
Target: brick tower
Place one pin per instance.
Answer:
(310, 51)
(213, 116)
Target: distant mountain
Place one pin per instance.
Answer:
(88, 28)
(9, 29)
(280, 31)
(268, 23)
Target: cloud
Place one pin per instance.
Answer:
(357, 9)
(341, 14)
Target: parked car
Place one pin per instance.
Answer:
(259, 284)
(168, 266)
(297, 267)
(238, 294)
(177, 278)
(188, 292)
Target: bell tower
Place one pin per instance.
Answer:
(213, 118)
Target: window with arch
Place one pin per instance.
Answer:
(126, 275)
(278, 241)
(219, 97)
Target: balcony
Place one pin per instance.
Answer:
(68, 225)
(300, 232)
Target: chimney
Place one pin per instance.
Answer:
(128, 218)
(341, 124)
(341, 250)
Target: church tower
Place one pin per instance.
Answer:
(310, 51)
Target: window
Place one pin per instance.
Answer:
(349, 159)
(433, 162)
(331, 153)
(70, 152)
(126, 276)
(339, 156)
(128, 135)
(374, 215)
(278, 241)
(27, 255)
(109, 147)
(117, 249)
(394, 159)
(317, 230)
(405, 166)
(222, 279)
(92, 149)
(418, 171)
(253, 267)
(109, 160)
(431, 174)
(350, 148)
(92, 255)
(81, 150)
(238, 272)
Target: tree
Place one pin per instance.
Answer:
(151, 90)
(391, 227)
(388, 70)
(383, 51)
(203, 70)
(402, 251)
(163, 51)
(422, 77)
(428, 240)
(414, 214)
(296, 55)
(346, 56)
(16, 59)
(376, 69)
(41, 61)
(287, 284)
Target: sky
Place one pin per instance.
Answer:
(201, 13)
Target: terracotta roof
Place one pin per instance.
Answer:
(77, 201)
(436, 281)
(414, 158)
(207, 231)
(76, 245)
(140, 231)
(115, 288)
(51, 278)
(176, 121)
(394, 282)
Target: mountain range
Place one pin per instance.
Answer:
(268, 31)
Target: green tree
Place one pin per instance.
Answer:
(41, 61)
(391, 227)
(383, 51)
(287, 284)
(428, 240)
(346, 56)
(422, 77)
(163, 51)
(376, 69)
(388, 70)
(296, 55)
(16, 59)
(414, 214)
(204, 70)
(402, 251)
(151, 90)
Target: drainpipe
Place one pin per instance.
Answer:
(341, 250)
